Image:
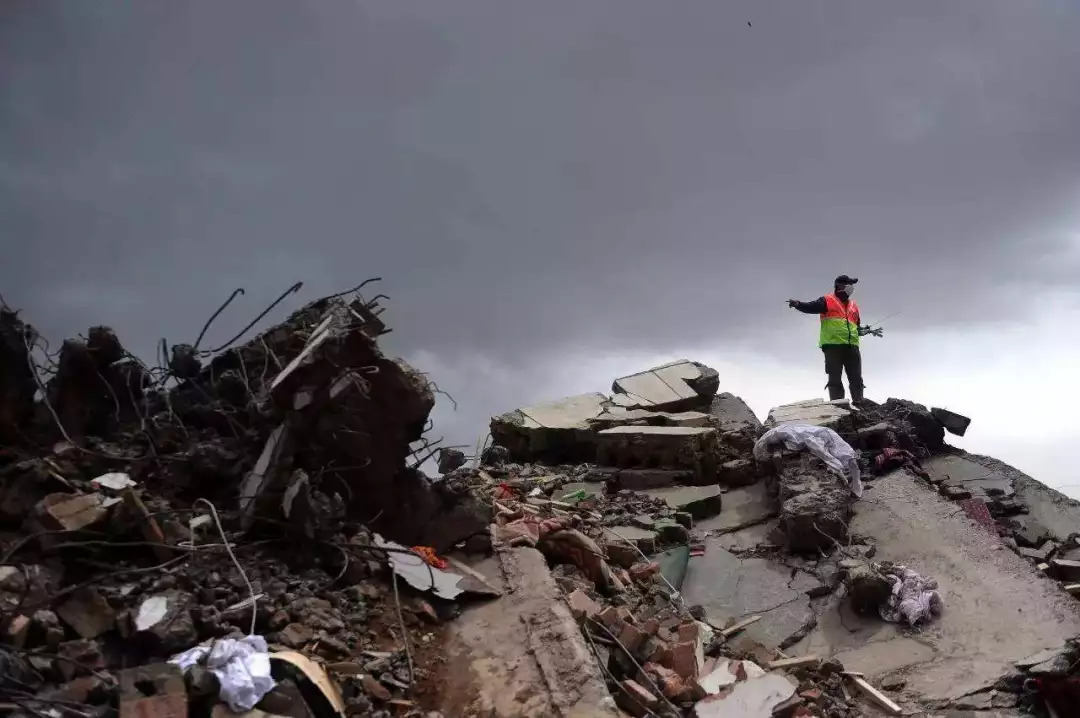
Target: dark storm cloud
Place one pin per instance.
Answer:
(530, 176)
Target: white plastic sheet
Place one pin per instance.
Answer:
(242, 667)
(914, 598)
(822, 442)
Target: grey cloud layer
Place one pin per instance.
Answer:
(539, 175)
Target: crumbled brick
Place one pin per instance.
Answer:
(632, 637)
(582, 606)
(635, 699)
(684, 659)
(641, 572)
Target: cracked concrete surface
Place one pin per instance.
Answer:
(730, 587)
(742, 507)
(997, 610)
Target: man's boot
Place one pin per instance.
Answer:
(835, 392)
(856, 393)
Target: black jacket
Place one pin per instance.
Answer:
(815, 307)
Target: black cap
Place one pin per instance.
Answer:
(845, 279)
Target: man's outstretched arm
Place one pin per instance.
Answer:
(815, 307)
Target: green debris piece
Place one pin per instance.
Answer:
(673, 565)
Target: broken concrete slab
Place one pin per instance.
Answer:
(954, 423)
(759, 696)
(1042, 656)
(637, 479)
(960, 471)
(557, 432)
(732, 414)
(700, 502)
(743, 507)
(681, 384)
(523, 655)
(1065, 569)
(998, 610)
(643, 417)
(732, 588)
(670, 447)
(642, 538)
(816, 412)
(1028, 531)
(766, 534)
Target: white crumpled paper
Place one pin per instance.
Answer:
(822, 442)
(242, 667)
(913, 599)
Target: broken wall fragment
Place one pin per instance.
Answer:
(677, 386)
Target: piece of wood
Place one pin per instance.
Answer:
(1073, 588)
(882, 700)
(797, 662)
(741, 625)
(150, 528)
(1043, 567)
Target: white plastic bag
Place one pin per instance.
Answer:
(242, 667)
(822, 442)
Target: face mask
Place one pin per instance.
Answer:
(846, 289)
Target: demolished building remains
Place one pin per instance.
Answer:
(246, 530)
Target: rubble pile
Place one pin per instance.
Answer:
(620, 492)
(251, 496)
(245, 530)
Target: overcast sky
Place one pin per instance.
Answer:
(557, 193)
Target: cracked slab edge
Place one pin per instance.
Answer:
(524, 653)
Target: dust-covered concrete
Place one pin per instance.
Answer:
(997, 609)
(523, 655)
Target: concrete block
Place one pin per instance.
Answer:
(700, 502)
(738, 472)
(731, 413)
(954, 423)
(815, 508)
(638, 479)
(679, 385)
(643, 539)
(1065, 569)
(817, 412)
(696, 449)
(556, 432)
(955, 492)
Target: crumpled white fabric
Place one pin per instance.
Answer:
(242, 667)
(913, 599)
(822, 442)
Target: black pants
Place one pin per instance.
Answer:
(838, 359)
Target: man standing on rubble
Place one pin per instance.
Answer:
(840, 332)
